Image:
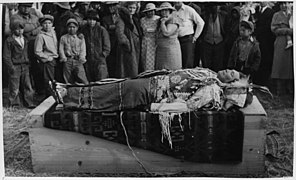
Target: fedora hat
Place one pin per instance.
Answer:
(64, 5)
(166, 5)
(149, 7)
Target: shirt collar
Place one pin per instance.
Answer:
(17, 37)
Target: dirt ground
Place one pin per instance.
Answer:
(280, 111)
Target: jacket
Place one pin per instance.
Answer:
(97, 43)
(46, 46)
(254, 57)
(14, 54)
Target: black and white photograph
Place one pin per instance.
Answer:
(147, 89)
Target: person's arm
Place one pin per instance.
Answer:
(169, 29)
(7, 56)
(257, 58)
(199, 24)
(82, 53)
(122, 39)
(106, 42)
(277, 29)
(39, 51)
(62, 54)
(231, 60)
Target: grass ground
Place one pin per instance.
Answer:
(280, 111)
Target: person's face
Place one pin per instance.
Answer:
(18, 32)
(91, 22)
(150, 14)
(165, 13)
(72, 28)
(178, 3)
(283, 6)
(132, 8)
(47, 25)
(234, 14)
(227, 75)
(244, 32)
(24, 10)
(112, 8)
(263, 3)
(83, 8)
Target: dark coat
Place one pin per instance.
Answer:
(14, 54)
(97, 43)
(253, 61)
(129, 45)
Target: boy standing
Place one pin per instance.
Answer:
(72, 52)
(46, 50)
(245, 55)
(15, 56)
(98, 47)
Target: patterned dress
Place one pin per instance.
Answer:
(149, 26)
(168, 50)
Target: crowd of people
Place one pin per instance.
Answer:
(83, 42)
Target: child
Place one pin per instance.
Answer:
(46, 50)
(15, 57)
(72, 53)
(98, 47)
(245, 55)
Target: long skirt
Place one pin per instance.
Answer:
(168, 54)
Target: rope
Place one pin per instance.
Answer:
(127, 142)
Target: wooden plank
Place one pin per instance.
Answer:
(35, 118)
(254, 122)
(255, 108)
(64, 151)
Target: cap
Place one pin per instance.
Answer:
(92, 14)
(25, 4)
(149, 7)
(16, 25)
(248, 25)
(72, 20)
(46, 17)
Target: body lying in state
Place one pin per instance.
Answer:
(177, 91)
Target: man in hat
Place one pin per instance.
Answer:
(15, 57)
(245, 55)
(213, 37)
(266, 40)
(72, 51)
(108, 22)
(97, 47)
(187, 34)
(80, 10)
(31, 29)
(46, 50)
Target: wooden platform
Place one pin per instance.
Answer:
(63, 151)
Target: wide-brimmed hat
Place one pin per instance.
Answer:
(92, 14)
(72, 20)
(248, 25)
(46, 17)
(149, 7)
(64, 5)
(111, 2)
(16, 25)
(166, 5)
(25, 4)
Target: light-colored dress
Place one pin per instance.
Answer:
(282, 67)
(149, 26)
(168, 50)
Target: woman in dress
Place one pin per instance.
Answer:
(128, 33)
(282, 68)
(168, 51)
(149, 25)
